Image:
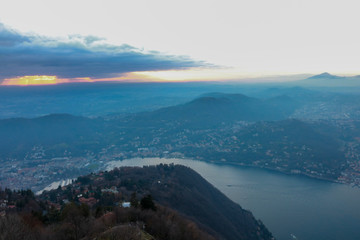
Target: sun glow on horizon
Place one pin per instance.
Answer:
(34, 80)
(186, 75)
(40, 80)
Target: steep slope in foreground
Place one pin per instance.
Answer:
(195, 197)
(177, 187)
(31, 219)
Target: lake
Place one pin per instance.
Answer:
(287, 204)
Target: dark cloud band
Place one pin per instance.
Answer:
(78, 57)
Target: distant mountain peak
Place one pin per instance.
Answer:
(325, 75)
(219, 95)
(207, 99)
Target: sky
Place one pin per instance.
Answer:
(176, 40)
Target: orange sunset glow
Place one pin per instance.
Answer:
(40, 80)
(51, 80)
(34, 80)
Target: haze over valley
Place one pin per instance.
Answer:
(294, 130)
(181, 120)
(281, 128)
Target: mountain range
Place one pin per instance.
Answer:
(327, 80)
(213, 109)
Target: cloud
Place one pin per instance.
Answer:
(10, 38)
(79, 56)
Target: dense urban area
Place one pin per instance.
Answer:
(243, 143)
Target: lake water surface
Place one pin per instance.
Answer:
(308, 208)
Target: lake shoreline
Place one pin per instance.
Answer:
(307, 175)
(280, 171)
(286, 203)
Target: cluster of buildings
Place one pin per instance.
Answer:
(224, 145)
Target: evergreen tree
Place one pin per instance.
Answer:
(133, 200)
(147, 203)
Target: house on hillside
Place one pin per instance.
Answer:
(88, 201)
